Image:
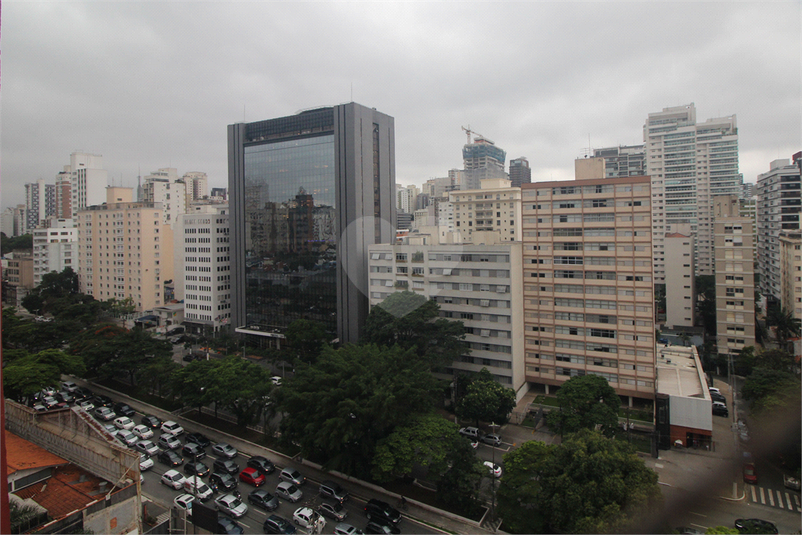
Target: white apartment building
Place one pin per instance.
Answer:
(791, 272)
(40, 203)
(170, 193)
(197, 184)
(688, 163)
(476, 283)
(406, 197)
(55, 248)
(588, 283)
(680, 281)
(779, 200)
(124, 250)
(494, 207)
(735, 277)
(204, 266)
(88, 180)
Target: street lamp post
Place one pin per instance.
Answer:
(493, 479)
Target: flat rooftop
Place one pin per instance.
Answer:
(679, 372)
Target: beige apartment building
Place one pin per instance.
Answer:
(791, 272)
(588, 283)
(734, 251)
(680, 281)
(494, 207)
(124, 250)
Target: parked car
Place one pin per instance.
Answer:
(330, 489)
(470, 432)
(172, 478)
(277, 524)
(231, 505)
(184, 503)
(145, 462)
(226, 465)
(750, 474)
(308, 518)
(193, 451)
(263, 499)
(124, 409)
(196, 469)
(147, 446)
(346, 529)
(491, 439)
(169, 442)
(755, 525)
(195, 486)
(174, 331)
(382, 510)
(292, 475)
(717, 397)
(151, 421)
(124, 422)
(289, 492)
(104, 413)
(225, 450)
(493, 469)
(227, 526)
(170, 458)
(222, 482)
(143, 432)
(252, 476)
(333, 510)
(719, 409)
(790, 482)
(265, 466)
(172, 428)
(199, 439)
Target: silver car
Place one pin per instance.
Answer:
(147, 446)
(289, 492)
(231, 505)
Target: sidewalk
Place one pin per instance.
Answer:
(434, 518)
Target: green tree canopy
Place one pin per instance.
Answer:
(339, 408)
(306, 338)
(413, 322)
(587, 484)
(17, 243)
(786, 326)
(486, 400)
(26, 375)
(770, 388)
(585, 402)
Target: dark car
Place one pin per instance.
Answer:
(124, 409)
(66, 397)
(719, 409)
(170, 458)
(151, 421)
(83, 393)
(330, 489)
(189, 357)
(193, 451)
(102, 401)
(717, 397)
(196, 469)
(383, 529)
(226, 465)
(755, 525)
(265, 466)
(222, 482)
(381, 511)
(227, 526)
(262, 498)
(276, 524)
(174, 331)
(199, 439)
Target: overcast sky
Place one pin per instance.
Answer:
(154, 84)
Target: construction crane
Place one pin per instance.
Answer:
(468, 131)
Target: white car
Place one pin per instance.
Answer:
(126, 437)
(169, 442)
(307, 518)
(493, 469)
(345, 529)
(143, 432)
(145, 462)
(147, 446)
(276, 380)
(172, 428)
(173, 478)
(289, 492)
(231, 505)
(87, 405)
(184, 503)
(195, 486)
(124, 422)
(69, 386)
(224, 450)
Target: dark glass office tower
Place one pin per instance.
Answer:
(308, 194)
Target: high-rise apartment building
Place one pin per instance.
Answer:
(779, 201)
(688, 163)
(735, 277)
(88, 180)
(477, 283)
(588, 283)
(40, 203)
(624, 160)
(203, 263)
(17, 276)
(791, 272)
(55, 248)
(308, 194)
(482, 160)
(197, 185)
(680, 281)
(124, 250)
(407, 195)
(164, 187)
(496, 206)
(520, 172)
(63, 194)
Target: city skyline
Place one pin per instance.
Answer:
(550, 95)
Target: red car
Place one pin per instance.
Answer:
(252, 477)
(750, 474)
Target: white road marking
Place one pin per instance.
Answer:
(754, 496)
(771, 497)
(780, 500)
(658, 465)
(762, 496)
(698, 514)
(788, 497)
(698, 526)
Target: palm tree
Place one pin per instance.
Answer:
(786, 326)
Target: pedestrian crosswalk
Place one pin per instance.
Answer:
(774, 498)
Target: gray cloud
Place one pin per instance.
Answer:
(154, 84)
